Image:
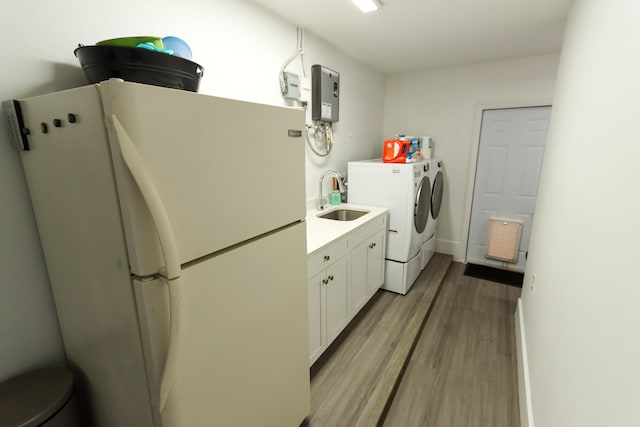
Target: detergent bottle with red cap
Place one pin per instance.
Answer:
(395, 150)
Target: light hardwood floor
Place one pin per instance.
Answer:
(463, 370)
(443, 355)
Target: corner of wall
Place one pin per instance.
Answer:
(451, 247)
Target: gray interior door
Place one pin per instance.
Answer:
(507, 174)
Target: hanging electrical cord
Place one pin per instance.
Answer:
(322, 132)
(298, 52)
(301, 49)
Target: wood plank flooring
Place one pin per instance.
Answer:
(463, 370)
(457, 369)
(352, 382)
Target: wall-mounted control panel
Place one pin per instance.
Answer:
(291, 85)
(325, 94)
(17, 131)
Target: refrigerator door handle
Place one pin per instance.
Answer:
(152, 198)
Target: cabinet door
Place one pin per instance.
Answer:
(358, 290)
(337, 315)
(316, 335)
(375, 262)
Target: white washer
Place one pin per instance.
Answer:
(436, 177)
(405, 191)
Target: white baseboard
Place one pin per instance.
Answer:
(526, 413)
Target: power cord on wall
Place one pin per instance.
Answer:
(322, 133)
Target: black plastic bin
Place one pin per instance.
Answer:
(132, 64)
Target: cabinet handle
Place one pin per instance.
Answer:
(327, 258)
(331, 278)
(325, 281)
(371, 246)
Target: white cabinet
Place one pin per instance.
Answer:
(375, 262)
(328, 313)
(327, 285)
(342, 276)
(335, 285)
(367, 270)
(316, 327)
(368, 248)
(358, 284)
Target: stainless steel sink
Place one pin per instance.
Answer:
(343, 214)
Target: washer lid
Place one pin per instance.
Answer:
(32, 398)
(422, 205)
(436, 195)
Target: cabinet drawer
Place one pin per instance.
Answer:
(365, 231)
(326, 255)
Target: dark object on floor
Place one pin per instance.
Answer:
(37, 398)
(510, 278)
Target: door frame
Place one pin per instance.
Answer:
(475, 147)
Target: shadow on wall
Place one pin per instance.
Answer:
(83, 395)
(62, 76)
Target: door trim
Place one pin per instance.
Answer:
(475, 146)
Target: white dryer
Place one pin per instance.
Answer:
(405, 191)
(436, 178)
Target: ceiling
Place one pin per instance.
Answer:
(412, 35)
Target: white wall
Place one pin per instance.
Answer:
(241, 48)
(581, 318)
(446, 104)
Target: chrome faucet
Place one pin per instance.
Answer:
(323, 201)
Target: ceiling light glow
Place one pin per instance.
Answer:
(367, 5)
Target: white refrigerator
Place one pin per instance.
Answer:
(172, 224)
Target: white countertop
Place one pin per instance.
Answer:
(322, 231)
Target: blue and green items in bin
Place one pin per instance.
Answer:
(170, 45)
(153, 47)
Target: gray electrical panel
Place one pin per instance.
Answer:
(325, 94)
(291, 86)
